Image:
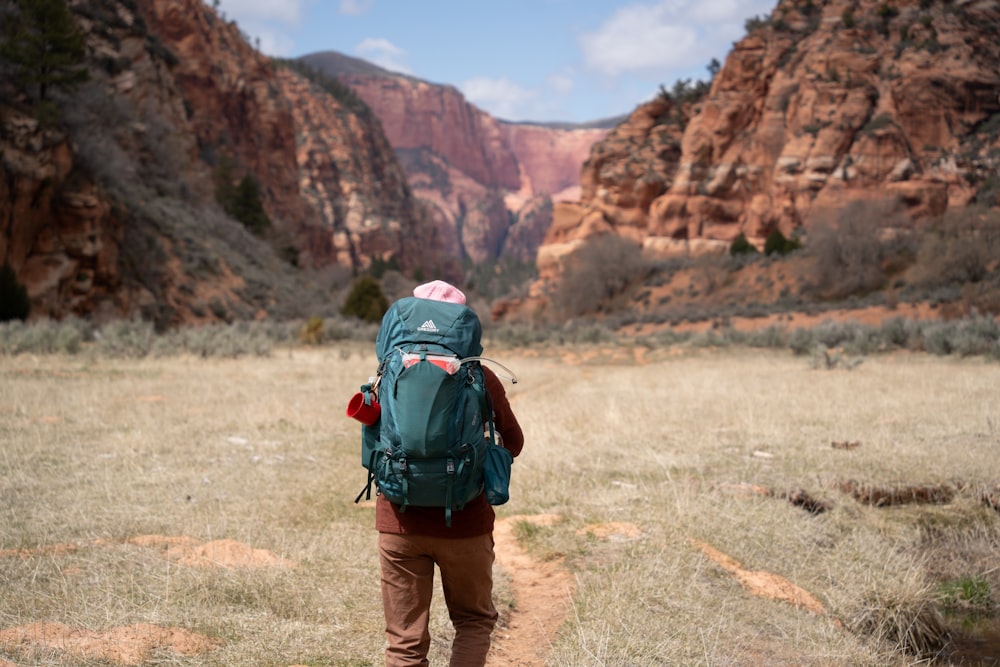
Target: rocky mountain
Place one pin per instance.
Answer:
(489, 182)
(109, 189)
(191, 179)
(820, 105)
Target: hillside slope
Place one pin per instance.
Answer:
(113, 192)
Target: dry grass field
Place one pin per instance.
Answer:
(704, 507)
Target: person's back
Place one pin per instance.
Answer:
(414, 538)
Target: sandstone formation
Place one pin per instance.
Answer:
(329, 173)
(235, 105)
(60, 230)
(482, 176)
(62, 242)
(350, 176)
(819, 105)
(111, 211)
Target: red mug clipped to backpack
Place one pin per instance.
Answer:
(364, 407)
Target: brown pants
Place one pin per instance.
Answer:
(466, 566)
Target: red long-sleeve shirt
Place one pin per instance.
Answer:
(477, 517)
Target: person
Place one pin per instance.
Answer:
(412, 542)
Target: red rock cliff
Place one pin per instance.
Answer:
(349, 173)
(237, 108)
(112, 212)
(820, 105)
(476, 172)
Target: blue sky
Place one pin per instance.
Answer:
(521, 60)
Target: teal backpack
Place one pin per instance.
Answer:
(429, 446)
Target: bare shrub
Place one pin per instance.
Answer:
(601, 270)
(851, 257)
(961, 248)
(42, 336)
(125, 339)
(906, 619)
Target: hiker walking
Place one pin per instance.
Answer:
(440, 409)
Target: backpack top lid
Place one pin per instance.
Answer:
(412, 320)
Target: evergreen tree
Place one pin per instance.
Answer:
(14, 301)
(44, 46)
(777, 243)
(241, 201)
(366, 300)
(246, 206)
(742, 246)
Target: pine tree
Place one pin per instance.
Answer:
(247, 207)
(14, 301)
(44, 46)
(366, 300)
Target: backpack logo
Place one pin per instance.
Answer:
(429, 327)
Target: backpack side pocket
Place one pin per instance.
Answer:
(496, 474)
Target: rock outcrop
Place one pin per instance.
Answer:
(111, 211)
(821, 104)
(233, 100)
(57, 232)
(329, 173)
(481, 176)
(351, 177)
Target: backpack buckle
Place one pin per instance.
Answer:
(450, 466)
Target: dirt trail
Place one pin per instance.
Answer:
(543, 593)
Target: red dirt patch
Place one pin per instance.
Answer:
(126, 645)
(764, 584)
(614, 530)
(182, 549)
(883, 496)
(55, 549)
(218, 553)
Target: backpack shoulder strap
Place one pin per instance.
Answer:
(485, 406)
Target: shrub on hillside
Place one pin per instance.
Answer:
(960, 248)
(366, 300)
(850, 257)
(741, 246)
(44, 47)
(243, 203)
(598, 272)
(778, 244)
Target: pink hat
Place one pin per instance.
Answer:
(439, 290)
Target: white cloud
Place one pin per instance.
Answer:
(638, 38)
(729, 11)
(287, 11)
(502, 98)
(274, 44)
(562, 83)
(653, 38)
(356, 7)
(265, 20)
(383, 53)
